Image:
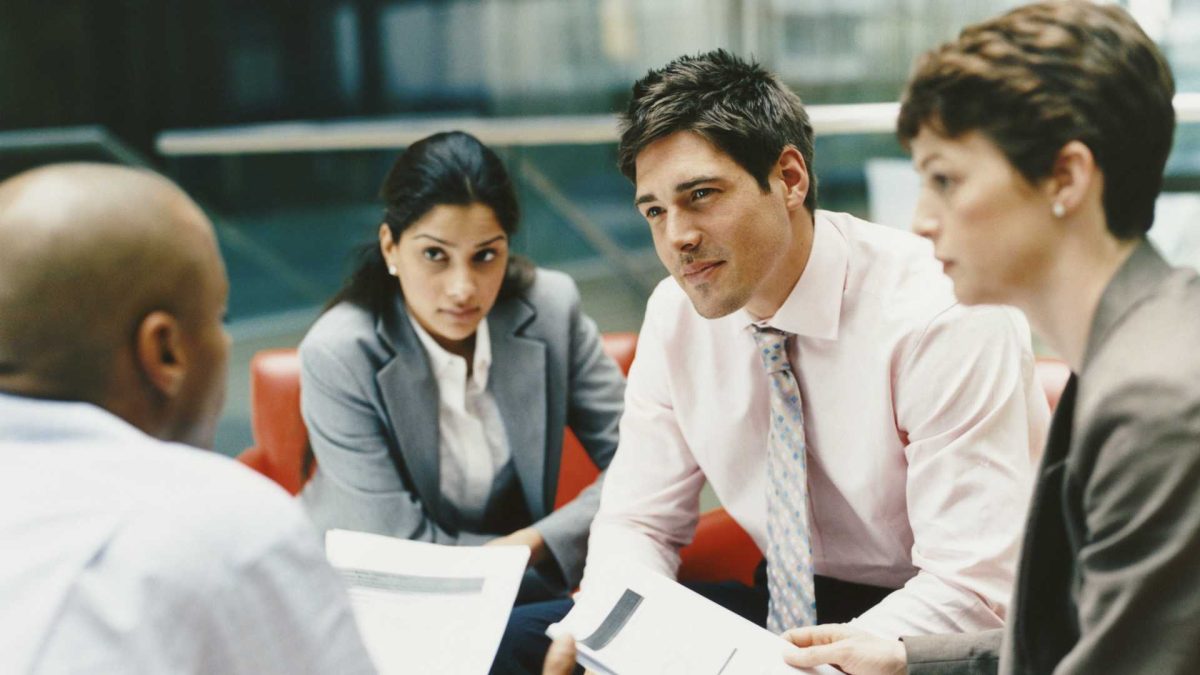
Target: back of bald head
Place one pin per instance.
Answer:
(87, 251)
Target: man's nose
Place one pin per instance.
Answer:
(682, 234)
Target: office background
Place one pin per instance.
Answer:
(281, 117)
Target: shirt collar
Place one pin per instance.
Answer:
(814, 307)
(25, 418)
(443, 361)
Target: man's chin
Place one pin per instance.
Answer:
(712, 306)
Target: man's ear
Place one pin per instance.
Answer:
(794, 173)
(160, 353)
(1072, 176)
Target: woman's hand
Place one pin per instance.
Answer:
(526, 536)
(849, 649)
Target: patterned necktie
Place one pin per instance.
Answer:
(789, 548)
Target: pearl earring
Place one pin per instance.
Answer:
(1058, 210)
(392, 270)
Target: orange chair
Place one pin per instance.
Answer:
(280, 437)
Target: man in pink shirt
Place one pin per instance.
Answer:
(874, 438)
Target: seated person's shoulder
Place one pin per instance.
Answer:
(1148, 366)
(345, 333)
(201, 549)
(552, 290)
(893, 271)
(207, 513)
(341, 319)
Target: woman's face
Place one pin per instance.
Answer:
(450, 263)
(992, 230)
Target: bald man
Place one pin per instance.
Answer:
(124, 549)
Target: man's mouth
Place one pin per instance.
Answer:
(699, 271)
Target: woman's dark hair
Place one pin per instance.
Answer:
(450, 168)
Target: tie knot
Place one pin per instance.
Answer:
(772, 347)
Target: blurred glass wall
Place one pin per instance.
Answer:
(288, 221)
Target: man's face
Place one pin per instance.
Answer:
(203, 394)
(724, 240)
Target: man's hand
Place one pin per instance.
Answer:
(849, 649)
(560, 660)
(524, 537)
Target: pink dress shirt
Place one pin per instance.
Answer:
(924, 422)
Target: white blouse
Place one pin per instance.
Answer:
(473, 445)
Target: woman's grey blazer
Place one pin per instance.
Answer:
(370, 402)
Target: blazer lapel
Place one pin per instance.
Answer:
(410, 395)
(518, 384)
(1041, 619)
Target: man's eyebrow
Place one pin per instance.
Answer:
(927, 159)
(681, 187)
(688, 185)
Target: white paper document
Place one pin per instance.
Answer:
(639, 622)
(426, 608)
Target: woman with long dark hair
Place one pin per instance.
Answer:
(437, 384)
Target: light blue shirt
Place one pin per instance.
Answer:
(126, 554)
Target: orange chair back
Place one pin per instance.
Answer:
(280, 437)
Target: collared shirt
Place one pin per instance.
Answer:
(125, 554)
(923, 421)
(474, 456)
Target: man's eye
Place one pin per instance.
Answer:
(433, 253)
(654, 212)
(701, 193)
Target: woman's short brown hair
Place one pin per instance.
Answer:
(1045, 74)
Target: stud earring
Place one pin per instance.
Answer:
(392, 270)
(1058, 210)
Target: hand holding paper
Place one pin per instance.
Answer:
(851, 650)
(640, 622)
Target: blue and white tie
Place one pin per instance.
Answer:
(789, 546)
